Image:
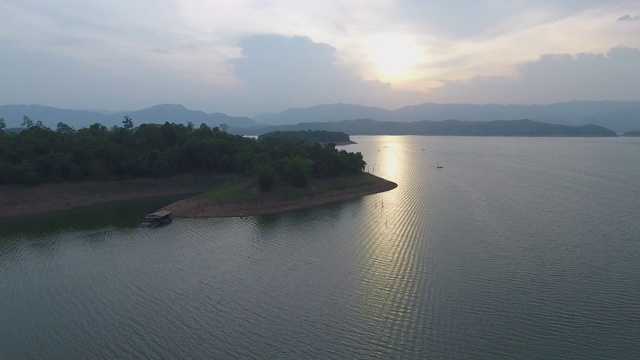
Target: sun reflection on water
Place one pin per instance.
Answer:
(389, 261)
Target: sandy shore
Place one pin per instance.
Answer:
(47, 198)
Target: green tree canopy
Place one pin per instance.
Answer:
(38, 154)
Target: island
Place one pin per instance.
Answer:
(308, 136)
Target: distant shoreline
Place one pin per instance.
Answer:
(18, 201)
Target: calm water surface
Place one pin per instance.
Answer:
(519, 248)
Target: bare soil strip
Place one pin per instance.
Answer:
(31, 200)
(21, 201)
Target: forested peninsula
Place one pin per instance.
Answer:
(65, 159)
(41, 155)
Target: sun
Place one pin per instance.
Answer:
(393, 54)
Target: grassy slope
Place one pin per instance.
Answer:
(240, 197)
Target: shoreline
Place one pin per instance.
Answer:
(276, 203)
(19, 201)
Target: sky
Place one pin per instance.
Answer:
(244, 57)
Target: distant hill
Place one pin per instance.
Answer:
(616, 115)
(632, 133)
(620, 116)
(325, 113)
(77, 119)
(444, 128)
(50, 116)
(160, 114)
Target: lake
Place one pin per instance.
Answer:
(518, 248)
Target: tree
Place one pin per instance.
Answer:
(224, 127)
(2, 124)
(127, 123)
(64, 129)
(298, 170)
(266, 174)
(203, 132)
(26, 122)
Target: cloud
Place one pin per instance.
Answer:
(280, 72)
(244, 57)
(629, 18)
(55, 80)
(555, 78)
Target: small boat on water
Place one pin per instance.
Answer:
(438, 166)
(157, 218)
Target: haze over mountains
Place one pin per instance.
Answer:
(619, 116)
(159, 114)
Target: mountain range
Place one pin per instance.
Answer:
(619, 116)
(159, 114)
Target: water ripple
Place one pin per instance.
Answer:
(517, 248)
